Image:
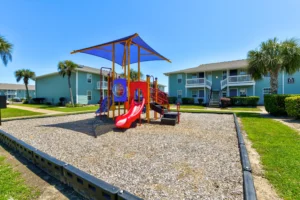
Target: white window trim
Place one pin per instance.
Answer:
(179, 75)
(263, 90)
(244, 89)
(181, 93)
(87, 95)
(197, 93)
(87, 78)
(234, 89)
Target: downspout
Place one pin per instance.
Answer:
(77, 86)
(283, 82)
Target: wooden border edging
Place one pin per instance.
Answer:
(85, 184)
(248, 184)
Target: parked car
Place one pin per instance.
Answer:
(7, 102)
(17, 99)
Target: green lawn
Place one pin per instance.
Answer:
(187, 106)
(12, 185)
(13, 112)
(279, 148)
(62, 109)
(244, 108)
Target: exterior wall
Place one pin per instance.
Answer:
(292, 88)
(216, 80)
(84, 87)
(174, 85)
(17, 93)
(55, 86)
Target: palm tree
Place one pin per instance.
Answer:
(5, 50)
(66, 68)
(133, 75)
(25, 74)
(272, 57)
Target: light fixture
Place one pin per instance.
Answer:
(217, 77)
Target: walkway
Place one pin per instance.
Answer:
(44, 111)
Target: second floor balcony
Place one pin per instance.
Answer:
(198, 82)
(238, 80)
(104, 85)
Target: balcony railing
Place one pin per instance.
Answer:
(237, 80)
(104, 85)
(198, 82)
(11, 93)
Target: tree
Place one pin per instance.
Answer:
(272, 57)
(66, 68)
(5, 50)
(133, 75)
(25, 74)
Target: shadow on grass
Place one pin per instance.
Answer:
(68, 192)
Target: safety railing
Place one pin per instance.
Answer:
(104, 85)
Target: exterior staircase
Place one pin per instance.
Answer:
(214, 99)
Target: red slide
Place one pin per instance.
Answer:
(124, 121)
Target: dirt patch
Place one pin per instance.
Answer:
(49, 188)
(264, 189)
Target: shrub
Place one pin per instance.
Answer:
(244, 101)
(200, 101)
(25, 101)
(172, 99)
(48, 103)
(275, 103)
(225, 102)
(38, 100)
(187, 100)
(292, 106)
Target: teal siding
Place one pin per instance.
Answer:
(292, 88)
(174, 85)
(55, 86)
(84, 87)
(216, 80)
(17, 93)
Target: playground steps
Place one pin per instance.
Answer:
(170, 118)
(158, 108)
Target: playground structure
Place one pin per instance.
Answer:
(126, 51)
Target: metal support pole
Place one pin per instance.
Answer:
(112, 79)
(148, 98)
(108, 94)
(156, 95)
(128, 71)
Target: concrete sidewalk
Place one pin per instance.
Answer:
(44, 111)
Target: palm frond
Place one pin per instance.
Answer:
(66, 68)
(5, 50)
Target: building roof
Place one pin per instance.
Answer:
(235, 64)
(81, 68)
(9, 86)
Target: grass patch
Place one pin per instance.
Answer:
(13, 112)
(91, 108)
(279, 148)
(244, 108)
(188, 106)
(12, 185)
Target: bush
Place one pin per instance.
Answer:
(244, 101)
(187, 100)
(172, 100)
(25, 101)
(275, 103)
(38, 100)
(48, 103)
(200, 101)
(62, 100)
(225, 102)
(292, 106)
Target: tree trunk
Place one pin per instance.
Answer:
(71, 95)
(274, 82)
(27, 92)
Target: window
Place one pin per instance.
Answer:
(179, 94)
(224, 93)
(194, 76)
(224, 75)
(243, 92)
(242, 72)
(194, 93)
(267, 91)
(201, 74)
(89, 78)
(233, 92)
(89, 95)
(201, 93)
(179, 78)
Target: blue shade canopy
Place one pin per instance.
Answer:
(106, 50)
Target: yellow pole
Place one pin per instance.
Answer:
(148, 103)
(155, 88)
(113, 78)
(128, 71)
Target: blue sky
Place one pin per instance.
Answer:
(188, 32)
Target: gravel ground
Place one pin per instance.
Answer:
(197, 159)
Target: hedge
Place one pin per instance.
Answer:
(292, 106)
(187, 100)
(172, 100)
(200, 101)
(244, 101)
(275, 103)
